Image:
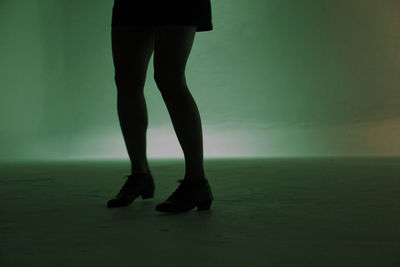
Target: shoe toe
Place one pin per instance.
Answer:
(164, 206)
(174, 206)
(110, 204)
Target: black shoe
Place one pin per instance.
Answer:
(136, 185)
(187, 196)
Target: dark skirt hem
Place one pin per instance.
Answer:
(154, 13)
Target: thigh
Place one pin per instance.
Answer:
(172, 47)
(132, 47)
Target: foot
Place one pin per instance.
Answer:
(188, 195)
(137, 184)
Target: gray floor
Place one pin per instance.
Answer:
(266, 212)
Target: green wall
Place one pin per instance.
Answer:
(274, 78)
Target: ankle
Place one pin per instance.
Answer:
(195, 178)
(134, 171)
(140, 169)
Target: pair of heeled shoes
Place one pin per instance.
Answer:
(188, 195)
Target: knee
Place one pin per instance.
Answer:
(129, 82)
(169, 83)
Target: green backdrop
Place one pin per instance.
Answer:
(274, 78)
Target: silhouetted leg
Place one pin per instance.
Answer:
(132, 48)
(173, 44)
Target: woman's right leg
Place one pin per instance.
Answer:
(132, 47)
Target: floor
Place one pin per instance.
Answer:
(266, 212)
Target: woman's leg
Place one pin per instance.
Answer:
(132, 47)
(173, 44)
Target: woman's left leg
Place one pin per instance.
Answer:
(172, 47)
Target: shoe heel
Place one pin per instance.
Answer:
(205, 205)
(149, 193)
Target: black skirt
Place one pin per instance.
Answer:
(158, 12)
